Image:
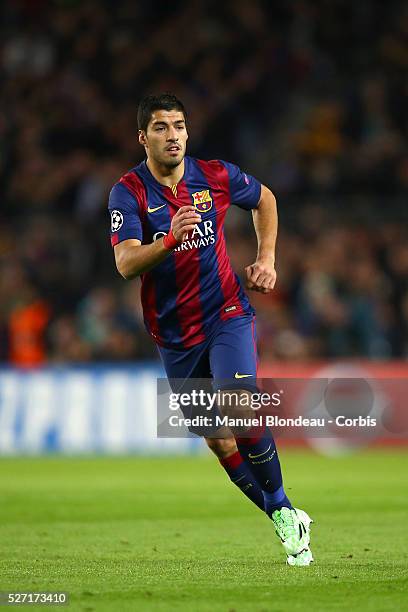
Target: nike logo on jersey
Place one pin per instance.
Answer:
(151, 210)
(242, 375)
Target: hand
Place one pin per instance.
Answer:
(185, 220)
(261, 276)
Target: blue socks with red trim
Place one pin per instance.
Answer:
(243, 478)
(259, 452)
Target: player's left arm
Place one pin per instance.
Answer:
(261, 275)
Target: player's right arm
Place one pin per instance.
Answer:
(132, 257)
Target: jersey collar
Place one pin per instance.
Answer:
(148, 176)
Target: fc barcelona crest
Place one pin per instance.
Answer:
(202, 200)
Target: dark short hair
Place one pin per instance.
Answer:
(151, 103)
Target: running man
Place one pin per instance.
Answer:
(167, 220)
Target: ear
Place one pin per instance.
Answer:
(142, 138)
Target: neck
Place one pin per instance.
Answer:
(165, 175)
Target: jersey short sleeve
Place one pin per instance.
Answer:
(245, 190)
(125, 216)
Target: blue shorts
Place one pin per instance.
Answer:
(227, 359)
(228, 356)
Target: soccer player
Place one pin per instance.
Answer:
(167, 218)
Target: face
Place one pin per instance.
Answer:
(166, 137)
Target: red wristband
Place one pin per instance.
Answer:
(169, 241)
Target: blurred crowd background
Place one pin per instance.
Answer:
(310, 97)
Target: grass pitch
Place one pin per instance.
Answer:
(174, 534)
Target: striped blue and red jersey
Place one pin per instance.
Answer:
(194, 288)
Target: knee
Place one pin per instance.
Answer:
(222, 447)
(236, 405)
(236, 402)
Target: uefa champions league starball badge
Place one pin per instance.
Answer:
(116, 220)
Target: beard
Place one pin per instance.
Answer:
(171, 163)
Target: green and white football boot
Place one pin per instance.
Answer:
(292, 526)
(303, 559)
